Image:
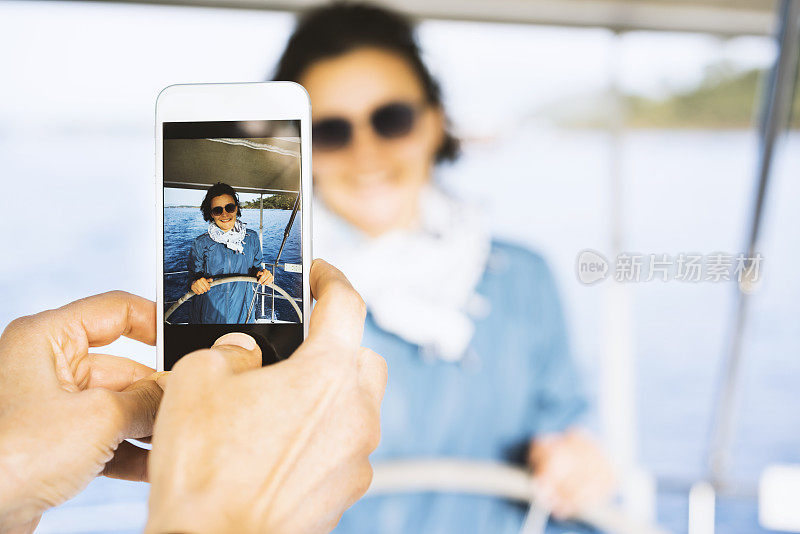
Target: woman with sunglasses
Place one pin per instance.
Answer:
(471, 327)
(227, 248)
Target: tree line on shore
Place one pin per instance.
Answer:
(278, 201)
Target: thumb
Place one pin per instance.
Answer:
(138, 405)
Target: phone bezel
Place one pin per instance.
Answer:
(233, 102)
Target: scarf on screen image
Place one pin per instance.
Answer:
(233, 238)
(419, 284)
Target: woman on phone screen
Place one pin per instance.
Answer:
(227, 248)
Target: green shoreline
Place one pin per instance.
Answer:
(726, 99)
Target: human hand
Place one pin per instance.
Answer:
(284, 448)
(571, 471)
(265, 277)
(64, 412)
(201, 285)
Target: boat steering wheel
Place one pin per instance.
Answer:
(229, 280)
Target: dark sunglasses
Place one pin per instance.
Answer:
(230, 208)
(389, 121)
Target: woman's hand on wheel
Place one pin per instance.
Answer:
(201, 285)
(265, 277)
(571, 471)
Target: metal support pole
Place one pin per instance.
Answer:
(775, 114)
(617, 394)
(288, 227)
(280, 250)
(273, 292)
(261, 238)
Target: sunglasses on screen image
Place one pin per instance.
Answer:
(230, 208)
(389, 121)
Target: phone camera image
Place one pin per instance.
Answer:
(232, 235)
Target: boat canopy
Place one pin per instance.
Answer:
(255, 165)
(725, 18)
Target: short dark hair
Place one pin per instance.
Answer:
(218, 189)
(334, 29)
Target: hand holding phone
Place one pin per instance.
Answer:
(278, 449)
(66, 410)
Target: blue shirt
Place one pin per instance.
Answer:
(224, 303)
(517, 381)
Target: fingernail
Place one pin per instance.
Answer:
(160, 377)
(238, 339)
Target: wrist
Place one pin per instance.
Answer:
(16, 510)
(13, 487)
(196, 515)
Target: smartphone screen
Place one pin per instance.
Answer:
(232, 243)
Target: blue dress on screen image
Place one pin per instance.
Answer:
(224, 303)
(519, 382)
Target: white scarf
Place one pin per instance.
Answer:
(233, 238)
(420, 283)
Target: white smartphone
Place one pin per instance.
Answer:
(233, 199)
